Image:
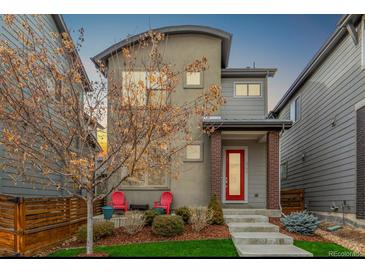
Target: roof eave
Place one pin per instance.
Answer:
(61, 25)
(244, 72)
(250, 124)
(171, 30)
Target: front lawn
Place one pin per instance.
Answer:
(321, 249)
(200, 248)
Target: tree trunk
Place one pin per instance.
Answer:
(90, 233)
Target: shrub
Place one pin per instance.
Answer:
(134, 222)
(149, 215)
(200, 218)
(168, 225)
(300, 222)
(216, 208)
(184, 212)
(101, 230)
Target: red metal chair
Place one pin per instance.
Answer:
(165, 202)
(119, 201)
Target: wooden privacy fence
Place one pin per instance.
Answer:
(28, 224)
(292, 200)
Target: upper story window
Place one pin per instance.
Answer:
(362, 25)
(247, 89)
(193, 79)
(138, 83)
(295, 110)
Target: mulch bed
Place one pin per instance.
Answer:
(121, 237)
(349, 237)
(347, 232)
(296, 236)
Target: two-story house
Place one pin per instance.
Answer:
(324, 151)
(239, 162)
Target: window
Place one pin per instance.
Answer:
(284, 171)
(193, 79)
(247, 89)
(159, 178)
(362, 25)
(194, 152)
(153, 82)
(295, 110)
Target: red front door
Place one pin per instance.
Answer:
(235, 175)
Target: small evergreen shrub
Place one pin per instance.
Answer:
(101, 230)
(184, 212)
(301, 222)
(200, 218)
(134, 222)
(168, 225)
(149, 215)
(216, 208)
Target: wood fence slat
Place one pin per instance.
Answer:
(292, 200)
(27, 224)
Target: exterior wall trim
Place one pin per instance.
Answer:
(360, 105)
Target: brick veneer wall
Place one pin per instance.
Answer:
(273, 170)
(216, 163)
(360, 163)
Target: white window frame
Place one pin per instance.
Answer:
(201, 159)
(246, 83)
(293, 110)
(200, 86)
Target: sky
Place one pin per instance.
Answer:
(285, 42)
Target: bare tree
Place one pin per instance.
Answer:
(49, 122)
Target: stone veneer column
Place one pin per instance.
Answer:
(216, 164)
(272, 190)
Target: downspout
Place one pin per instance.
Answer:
(280, 134)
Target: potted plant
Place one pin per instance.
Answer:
(108, 212)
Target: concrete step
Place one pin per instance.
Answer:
(245, 219)
(252, 227)
(252, 211)
(261, 238)
(271, 251)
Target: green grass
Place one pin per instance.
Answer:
(201, 248)
(319, 249)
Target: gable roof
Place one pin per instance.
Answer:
(225, 37)
(340, 32)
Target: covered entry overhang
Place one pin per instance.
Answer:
(245, 161)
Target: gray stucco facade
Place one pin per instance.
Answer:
(194, 186)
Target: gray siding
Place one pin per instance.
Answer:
(327, 172)
(7, 183)
(243, 107)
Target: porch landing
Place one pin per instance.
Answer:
(254, 236)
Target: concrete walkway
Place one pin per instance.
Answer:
(254, 236)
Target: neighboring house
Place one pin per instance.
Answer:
(51, 23)
(324, 151)
(240, 161)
